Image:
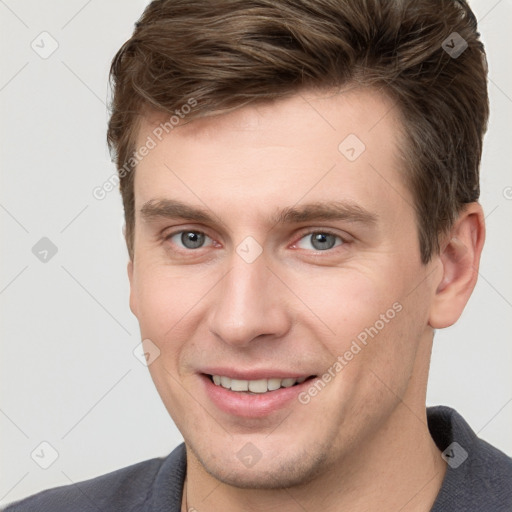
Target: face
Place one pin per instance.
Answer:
(274, 250)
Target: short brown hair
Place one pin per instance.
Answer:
(227, 53)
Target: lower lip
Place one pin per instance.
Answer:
(247, 405)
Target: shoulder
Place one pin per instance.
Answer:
(490, 474)
(127, 489)
(478, 475)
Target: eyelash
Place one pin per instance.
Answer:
(343, 241)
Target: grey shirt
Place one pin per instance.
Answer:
(478, 478)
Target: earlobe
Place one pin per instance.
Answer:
(460, 260)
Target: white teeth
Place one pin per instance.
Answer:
(288, 383)
(273, 384)
(239, 385)
(255, 386)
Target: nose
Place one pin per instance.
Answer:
(249, 303)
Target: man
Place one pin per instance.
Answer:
(300, 184)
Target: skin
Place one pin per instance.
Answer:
(295, 307)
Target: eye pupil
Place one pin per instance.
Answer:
(323, 241)
(192, 239)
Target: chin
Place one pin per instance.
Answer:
(287, 470)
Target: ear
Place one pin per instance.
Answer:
(460, 260)
(133, 301)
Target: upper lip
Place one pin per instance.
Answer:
(255, 373)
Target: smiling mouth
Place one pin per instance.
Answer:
(259, 386)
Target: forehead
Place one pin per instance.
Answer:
(358, 108)
(323, 145)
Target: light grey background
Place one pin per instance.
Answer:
(68, 373)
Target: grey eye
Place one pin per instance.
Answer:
(190, 239)
(319, 241)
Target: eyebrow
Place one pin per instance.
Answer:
(173, 209)
(334, 210)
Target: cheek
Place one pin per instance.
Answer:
(390, 341)
(165, 297)
(350, 301)
(369, 319)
